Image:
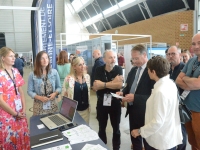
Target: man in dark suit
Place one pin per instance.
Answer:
(137, 90)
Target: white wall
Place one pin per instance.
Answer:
(73, 26)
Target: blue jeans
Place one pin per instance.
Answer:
(184, 133)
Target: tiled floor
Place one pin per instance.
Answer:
(125, 137)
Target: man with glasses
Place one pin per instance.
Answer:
(173, 56)
(137, 90)
(189, 80)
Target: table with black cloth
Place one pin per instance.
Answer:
(35, 120)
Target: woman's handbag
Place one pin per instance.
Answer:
(184, 112)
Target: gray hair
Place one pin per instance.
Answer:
(106, 51)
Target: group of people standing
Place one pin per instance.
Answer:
(149, 95)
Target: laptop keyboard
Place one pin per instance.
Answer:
(57, 120)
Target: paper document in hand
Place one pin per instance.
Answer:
(80, 134)
(117, 96)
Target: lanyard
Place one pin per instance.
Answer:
(13, 80)
(194, 67)
(45, 82)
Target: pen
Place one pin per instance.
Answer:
(48, 137)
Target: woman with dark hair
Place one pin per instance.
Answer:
(43, 85)
(71, 57)
(162, 129)
(77, 86)
(63, 68)
(14, 132)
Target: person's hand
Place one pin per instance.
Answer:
(44, 99)
(52, 96)
(97, 84)
(119, 93)
(118, 78)
(135, 133)
(128, 98)
(24, 111)
(20, 115)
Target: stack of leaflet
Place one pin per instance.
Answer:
(80, 134)
(46, 138)
(93, 147)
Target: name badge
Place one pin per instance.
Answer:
(47, 105)
(184, 94)
(107, 100)
(18, 105)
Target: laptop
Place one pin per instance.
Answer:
(65, 116)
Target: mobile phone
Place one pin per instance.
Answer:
(67, 127)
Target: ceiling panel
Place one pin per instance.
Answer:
(133, 14)
(164, 6)
(100, 26)
(97, 8)
(104, 4)
(106, 24)
(82, 16)
(91, 10)
(115, 21)
(91, 29)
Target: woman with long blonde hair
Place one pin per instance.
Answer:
(78, 82)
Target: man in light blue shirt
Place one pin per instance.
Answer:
(189, 80)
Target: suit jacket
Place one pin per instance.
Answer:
(137, 110)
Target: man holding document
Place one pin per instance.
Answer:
(137, 90)
(108, 78)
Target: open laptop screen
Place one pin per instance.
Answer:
(68, 108)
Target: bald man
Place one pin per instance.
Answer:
(98, 62)
(189, 80)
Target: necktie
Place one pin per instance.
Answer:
(134, 85)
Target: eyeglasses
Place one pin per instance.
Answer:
(172, 54)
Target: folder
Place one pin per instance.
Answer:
(46, 138)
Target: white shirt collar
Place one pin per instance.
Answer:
(144, 66)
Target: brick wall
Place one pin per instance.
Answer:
(164, 28)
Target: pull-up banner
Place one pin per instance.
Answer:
(43, 29)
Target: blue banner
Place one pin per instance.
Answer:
(44, 22)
